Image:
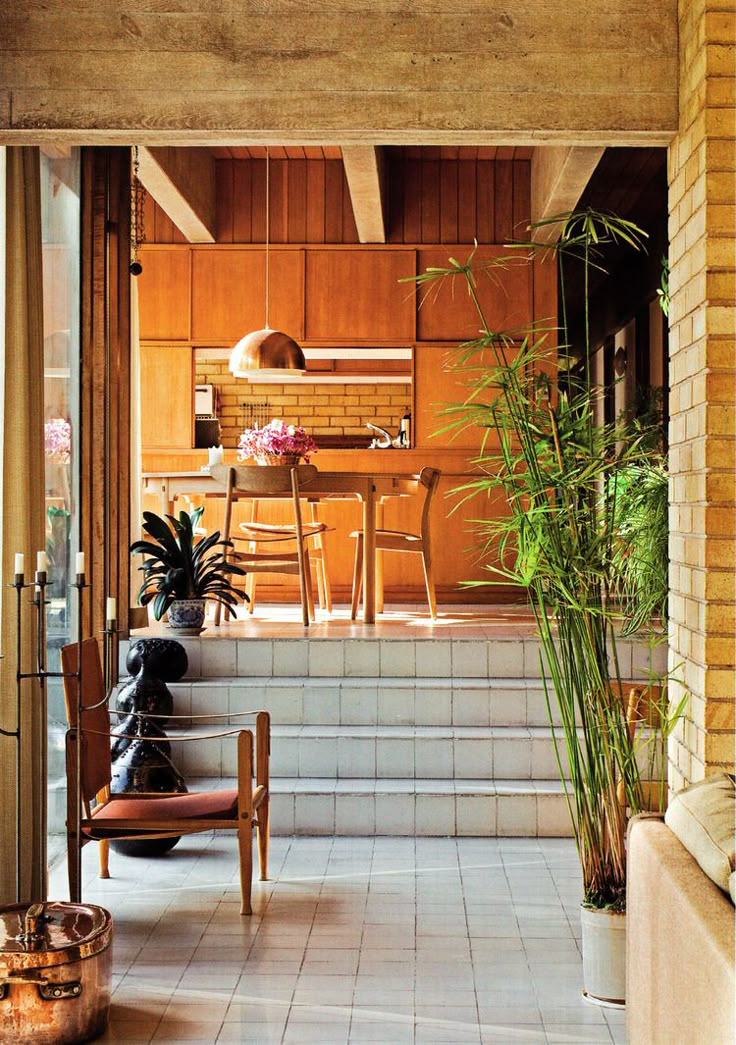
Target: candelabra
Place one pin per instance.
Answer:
(40, 673)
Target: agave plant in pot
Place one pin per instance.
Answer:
(560, 539)
(182, 571)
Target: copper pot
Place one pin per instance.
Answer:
(55, 973)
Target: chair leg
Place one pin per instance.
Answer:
(263, 834)
(73, 868)
(104, 857)
(245, 850)
(357, 577)
(245, 819)
(429, 582)
(379, 581)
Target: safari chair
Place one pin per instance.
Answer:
(262, 482)
(94, 814)
(400, 541)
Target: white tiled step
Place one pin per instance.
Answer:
(211, 656)
(380, 752)
(429, 807)
(291, 700)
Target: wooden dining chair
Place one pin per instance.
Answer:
(95, 814)
(401, 541)
(263, 482)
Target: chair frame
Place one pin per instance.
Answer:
(401, 541)
(261, 482)
(87, 781)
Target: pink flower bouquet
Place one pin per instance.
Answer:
(58, 439)
(276, 440)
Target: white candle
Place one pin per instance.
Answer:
(19, 561)
(111, 609)
(41, 562)
(80, 563)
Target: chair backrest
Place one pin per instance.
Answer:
(260, 481)
(429, 478)
(96, 765)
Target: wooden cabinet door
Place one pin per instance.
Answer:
(229, 293)
(355, 295)
(440, 383)
(167, 396)
(163, 294)
(445, 309)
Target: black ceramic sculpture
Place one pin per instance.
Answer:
(144, 763)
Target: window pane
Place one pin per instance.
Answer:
(60, 201)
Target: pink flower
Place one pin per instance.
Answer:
(276, 438)
(58, 439)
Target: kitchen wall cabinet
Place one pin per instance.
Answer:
(355, 295)
(163, 294)
(229, 293)
(446, 311)
(167, 396)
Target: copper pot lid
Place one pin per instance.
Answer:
(54, 933)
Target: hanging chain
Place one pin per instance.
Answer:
(137, 216)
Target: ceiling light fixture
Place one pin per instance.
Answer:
(267, 353)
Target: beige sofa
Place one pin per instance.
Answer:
(681, 958)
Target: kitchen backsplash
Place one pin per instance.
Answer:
(328, 409)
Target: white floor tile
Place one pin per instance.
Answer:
(378, 940)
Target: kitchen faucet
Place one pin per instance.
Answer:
(384, 443)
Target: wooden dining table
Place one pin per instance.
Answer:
(371, 488)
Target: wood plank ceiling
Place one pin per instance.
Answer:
(415, 152)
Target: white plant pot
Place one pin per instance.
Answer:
(604, 956)
(187, 614)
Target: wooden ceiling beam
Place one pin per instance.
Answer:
(559, 176)
(365, 170)
(182, 182)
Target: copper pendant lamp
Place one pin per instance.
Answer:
(267, 353)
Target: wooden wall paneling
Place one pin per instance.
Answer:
(228, 293)
(167, 396)
(449, 201)
(522, 199)
(486, 203)
(163, 289)
(395, 197)
(279, 203)
(258, 202)
(467, 198)
(242, 187)
(349, 228)
(447, 313)
(412, 187)
(356, 295)
(224, 200)
(335, 186)
(503, 201)
(297, 202)
(316, 201)
(430, 201)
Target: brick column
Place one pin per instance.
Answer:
(702, 194)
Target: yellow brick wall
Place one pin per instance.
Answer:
(323, 409)
(702, 177)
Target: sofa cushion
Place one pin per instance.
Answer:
(703, 817)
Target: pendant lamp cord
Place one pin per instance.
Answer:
(268, 230)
